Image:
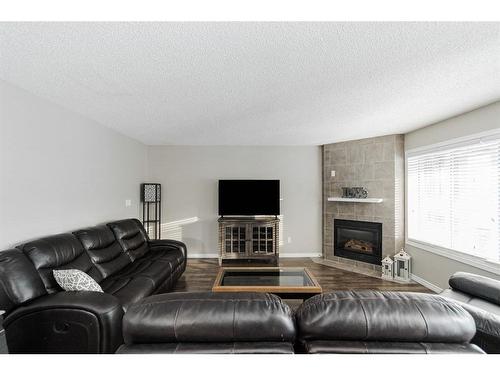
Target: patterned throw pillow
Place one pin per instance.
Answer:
(76, 280)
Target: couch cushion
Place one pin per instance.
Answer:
(103, 249)
(128, 290)
(383, 316)
(367, 347)
(62, 251)
(486, 314)
(131, 236)
(156, 270)
(471, 300)
(209, 317)
(260, 347)
(171, 244)
(19, 280)
(169, 255)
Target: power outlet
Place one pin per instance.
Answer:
(289, 240)
(128, 202)
(332, 174)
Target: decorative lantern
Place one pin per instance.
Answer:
(402, 266)
(387, 268)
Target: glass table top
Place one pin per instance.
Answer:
(273, 277)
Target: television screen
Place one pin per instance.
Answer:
(249, 197)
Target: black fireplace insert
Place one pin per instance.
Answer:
(358, 240)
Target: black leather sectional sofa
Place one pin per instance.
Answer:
(135, 315)
(41, 318)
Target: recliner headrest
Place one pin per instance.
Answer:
(477, 285)
(60, 251)
(19, 280)
(131, 236)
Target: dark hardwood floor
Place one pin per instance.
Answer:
(200, 276)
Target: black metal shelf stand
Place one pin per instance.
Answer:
(151, 209)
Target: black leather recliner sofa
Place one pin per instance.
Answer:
(205, 322)
(359, 322)
(41, 318)
(133, 272)
(480, 296)
(338, 322)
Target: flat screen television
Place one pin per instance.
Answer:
(249, 197)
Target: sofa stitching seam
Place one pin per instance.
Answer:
(175, 321)
(425, 321)
(366, 319)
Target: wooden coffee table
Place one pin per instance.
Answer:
(286, 282)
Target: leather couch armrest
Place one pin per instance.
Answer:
(66, 322)
(477, 286)
(169, 243)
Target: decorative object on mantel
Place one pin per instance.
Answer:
(402, 266)
(356, 195)
(355, 200)
(354, 192)
(151, 209)
(387, 268)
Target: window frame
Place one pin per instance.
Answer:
(471, 260)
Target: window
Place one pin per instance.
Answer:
(454, 197)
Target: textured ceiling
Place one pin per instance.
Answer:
(256, 83)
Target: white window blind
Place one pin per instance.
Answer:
(454, 197)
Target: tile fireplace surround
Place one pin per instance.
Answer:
(378, 165)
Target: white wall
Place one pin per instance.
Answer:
(189, 176)
(431, 267)
(60, 171)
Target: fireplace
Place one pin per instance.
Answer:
(358, 240)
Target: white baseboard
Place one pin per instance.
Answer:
(291, 255)
(301, 255)
(201, 255)
(426, 283)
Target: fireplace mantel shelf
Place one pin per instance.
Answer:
(356, 200)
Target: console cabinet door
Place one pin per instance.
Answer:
(263, 239)
(235, 240)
